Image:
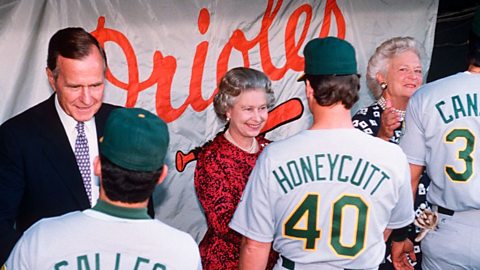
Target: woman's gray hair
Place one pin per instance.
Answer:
(378, 62)
(234, 82)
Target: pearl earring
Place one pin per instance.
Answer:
(228, 119)
(383, 85)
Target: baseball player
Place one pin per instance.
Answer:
(325, 196)
(117, 232)
(442, 133)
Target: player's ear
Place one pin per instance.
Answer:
(163, 175)
(308, 89)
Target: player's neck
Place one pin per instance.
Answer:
(331, 117)
(473, 69)
(104, 197)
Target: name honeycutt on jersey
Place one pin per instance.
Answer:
(330, 167)
(458, 106)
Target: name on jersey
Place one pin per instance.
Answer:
(330, 167)
(457, 107)
(97, 261)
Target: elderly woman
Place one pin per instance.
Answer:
(223, 165)
(394, 73)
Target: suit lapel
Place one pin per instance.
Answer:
(101, 117)
(59, 153)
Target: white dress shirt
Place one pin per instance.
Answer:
(69, 125)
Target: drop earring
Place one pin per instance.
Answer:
(383, 85)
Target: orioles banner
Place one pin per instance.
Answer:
(167, 57)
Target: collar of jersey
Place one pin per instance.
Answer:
(121, 212)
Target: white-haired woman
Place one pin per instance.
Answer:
(394, 73)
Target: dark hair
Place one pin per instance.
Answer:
(125, 185)
(473, 55)
(234, 82)
(72, 43)
(331, 89)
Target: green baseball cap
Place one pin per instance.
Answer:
(135, 139)
(476, 22)
(329, 56)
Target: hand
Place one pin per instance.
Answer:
(401, 253)
(389, 121)
(386, 234)
(427, 221)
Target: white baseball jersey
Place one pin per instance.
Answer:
(96, 240)
(325, 197)
(442, 132)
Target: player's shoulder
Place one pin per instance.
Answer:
(54, 224)
(285, 143)
(376, 146)
(444, 85)
(311, 138)
(178, 242)
(180, 237)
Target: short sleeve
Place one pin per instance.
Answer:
(253, 217)
(413, 140)
(402, 213)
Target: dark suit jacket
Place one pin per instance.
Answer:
(39, 176)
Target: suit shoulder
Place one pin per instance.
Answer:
(106, 108)
(109, 107)
(105, 111)
(30, 115)
(53, 222)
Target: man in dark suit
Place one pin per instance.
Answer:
(41, 174)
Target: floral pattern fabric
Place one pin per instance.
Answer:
(221, 174)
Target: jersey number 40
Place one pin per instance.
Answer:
(302, 224)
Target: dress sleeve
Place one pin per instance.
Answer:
(217, 193)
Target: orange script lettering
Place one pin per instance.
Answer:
(164, 67)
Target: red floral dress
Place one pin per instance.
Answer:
(221, 174)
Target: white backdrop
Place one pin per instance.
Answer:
(167, 56)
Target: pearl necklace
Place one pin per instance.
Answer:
(383, 103)
(253, 147)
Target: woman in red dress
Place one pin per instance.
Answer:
(223, 165)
